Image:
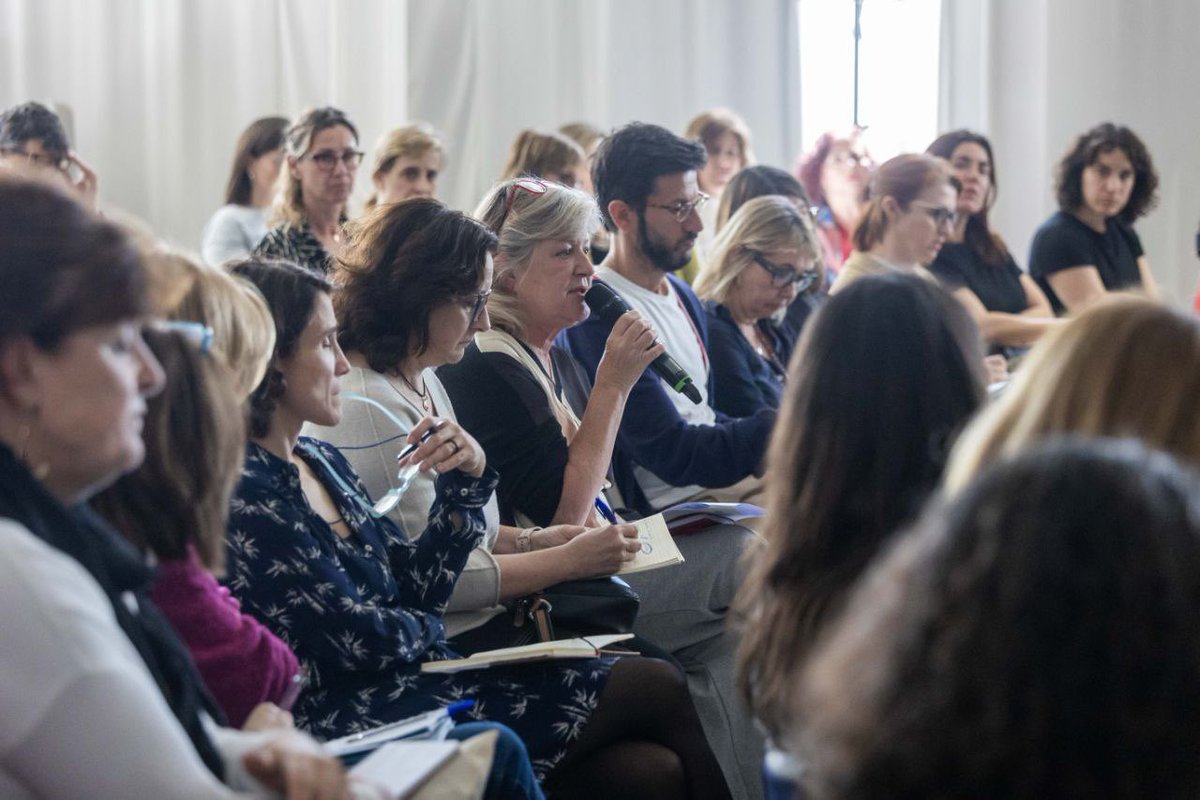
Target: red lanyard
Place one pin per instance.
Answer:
(695, 332)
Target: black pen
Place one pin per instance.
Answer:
(412, 448)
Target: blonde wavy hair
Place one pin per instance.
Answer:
(1125, 367)
(243, 330)
(521, 219)
(409, 141)
(761, 225)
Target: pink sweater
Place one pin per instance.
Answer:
(242, 663)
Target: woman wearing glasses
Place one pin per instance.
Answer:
(411, 299)
(910, 214)
(761, 260)
(974, 264)
(835, 174)
(322, 158)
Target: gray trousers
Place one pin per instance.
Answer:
(683, 611)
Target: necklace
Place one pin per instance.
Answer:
(423, 396)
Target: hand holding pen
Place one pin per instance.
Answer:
(442, 445)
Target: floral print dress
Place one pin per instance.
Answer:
(363, 612)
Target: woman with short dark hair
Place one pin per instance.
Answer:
(238, 226)
(1035, 638)
(1104, 183)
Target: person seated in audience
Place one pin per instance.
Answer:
(303, 527)
(31, 134)
(758, 181)
(238, 226)
(1126, 367)
(243, 333)
(835, 173)
(84, 655)
(1034, 638)
(322, 158)
(974, 264)
(550, 432)
(911, 211)
(726, 140)
(764, 257)
(173, 507)
(669, 449)
(588, 137)
(887, 374)
(549, 156)
(1103, 184)
(407, 163)
(412, 294)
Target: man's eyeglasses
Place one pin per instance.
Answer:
(940, 216)
(680, 209)
(784, 274)
(477, 304)
(52, 160)
(327, 160)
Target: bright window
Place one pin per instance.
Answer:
(898, 72)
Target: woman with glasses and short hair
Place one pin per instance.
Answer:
(322, 158)
(237, 227)
(910, 214)
(835, 173)
(410, 301)
(766, 256)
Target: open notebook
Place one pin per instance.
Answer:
(400, 768)
(658, 547)
(588, 647)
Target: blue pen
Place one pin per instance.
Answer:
(605, 511)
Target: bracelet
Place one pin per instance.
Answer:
(525, 540)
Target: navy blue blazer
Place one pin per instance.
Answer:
(743, 381)
(654, 436)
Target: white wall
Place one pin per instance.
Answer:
(1050, 69)
(160, 89)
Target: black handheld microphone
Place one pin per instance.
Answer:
(607, 305)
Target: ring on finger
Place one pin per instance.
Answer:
(451, 441)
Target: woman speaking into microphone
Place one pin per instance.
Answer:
(551, 435)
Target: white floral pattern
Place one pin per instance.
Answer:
(363, 612)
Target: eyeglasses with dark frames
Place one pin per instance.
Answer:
(940, 216)
(680, 209)
(327, 160)
(784, 274)
(477, 303)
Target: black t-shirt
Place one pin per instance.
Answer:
(997, 287)
(504, 407)
(1063, 242)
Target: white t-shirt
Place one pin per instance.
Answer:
(232, 232)
(80, 715)
(675, 329)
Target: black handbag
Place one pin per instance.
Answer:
(585, 607)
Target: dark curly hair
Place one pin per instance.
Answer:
(404, 260)
(291, 294)
(1068, 181)
(21, 123)
(1035, 638)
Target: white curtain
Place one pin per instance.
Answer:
(159, 89)
(1033, 74)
